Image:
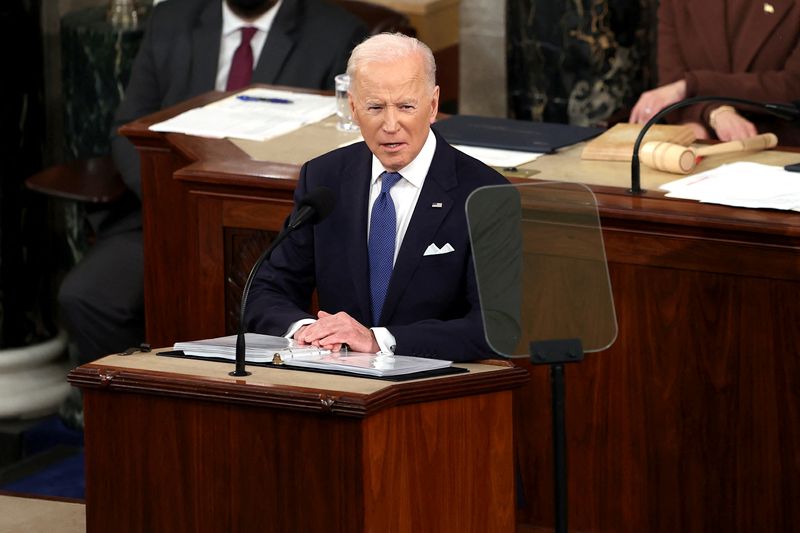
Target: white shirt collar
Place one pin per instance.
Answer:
(415, 171)
(232, 23)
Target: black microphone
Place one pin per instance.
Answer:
(785, 111)
(313, 208)
(781, 110)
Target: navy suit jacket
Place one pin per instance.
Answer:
(432, 305)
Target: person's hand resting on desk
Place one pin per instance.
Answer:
(730, 125)
(726, 122)
(654, 100)
(332, 331)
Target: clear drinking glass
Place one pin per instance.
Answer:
(343, 104)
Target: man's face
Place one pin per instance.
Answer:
(394, 107)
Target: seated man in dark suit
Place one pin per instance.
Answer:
(391, 264)
(189, 48)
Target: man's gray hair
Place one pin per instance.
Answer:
(386, 47)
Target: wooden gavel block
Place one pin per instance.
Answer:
(679, 159)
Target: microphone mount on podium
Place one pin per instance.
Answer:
(780, 110)
(313, 208)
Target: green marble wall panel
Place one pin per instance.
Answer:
(582, 62)
(96, 62)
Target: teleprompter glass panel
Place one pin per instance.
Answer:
(541, 266)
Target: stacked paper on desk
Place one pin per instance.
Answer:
(741, 184)
(259, 348)
(495, 157)
(369, 364)
(264, 348)
(255, 114)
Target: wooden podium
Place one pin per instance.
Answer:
(686, 423)
(178, 445)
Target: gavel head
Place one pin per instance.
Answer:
(669, 157)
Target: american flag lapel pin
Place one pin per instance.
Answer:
(437, 204)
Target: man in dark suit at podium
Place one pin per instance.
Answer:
(391, 264)
(191, 47)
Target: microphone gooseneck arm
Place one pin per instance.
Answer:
(313, 208)
(784, 111)
(240, 344)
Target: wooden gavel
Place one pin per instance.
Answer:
(679, 159)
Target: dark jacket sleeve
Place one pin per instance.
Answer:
(673, 64)
(142, 97)
(282, 288)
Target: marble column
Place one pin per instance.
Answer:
(96, 60)
(582, 62)
(482, 51)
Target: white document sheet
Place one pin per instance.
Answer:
(254, 114)
(368, 364)
(741, 184)
(498, 158)
(259, 348)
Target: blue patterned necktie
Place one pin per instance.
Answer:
(382, 235)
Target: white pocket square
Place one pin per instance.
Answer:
(435, 250)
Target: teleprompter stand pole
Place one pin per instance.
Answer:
(556, 353)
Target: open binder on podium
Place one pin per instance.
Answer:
(280, 352)
(543, 285)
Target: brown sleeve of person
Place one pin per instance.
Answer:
(764, 62)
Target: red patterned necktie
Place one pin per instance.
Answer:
(241, 72)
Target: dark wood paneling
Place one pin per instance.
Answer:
(198, 466)
(243, 247)
(690, 422)
(413, 447)
(447, 74)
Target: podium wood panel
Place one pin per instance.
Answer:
(173, 465)
(687, 423)
(180, 446)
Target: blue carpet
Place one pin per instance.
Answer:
(51, 463)
(63, 478)
(49, 433)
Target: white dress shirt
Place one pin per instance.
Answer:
(404, 195)
(406, 191)
(232, 37)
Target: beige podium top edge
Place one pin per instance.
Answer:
(261, 376)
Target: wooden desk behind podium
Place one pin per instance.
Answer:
(178, 445)
(689, 422)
